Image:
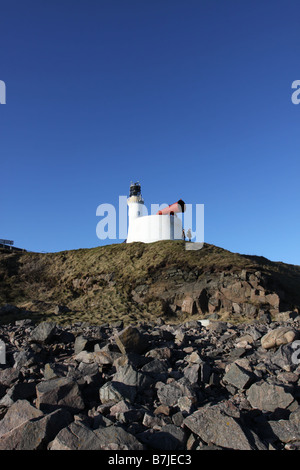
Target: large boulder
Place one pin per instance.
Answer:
(238, 377)
(278, 336)
(212, 425)
(60, 392)
(43, 333)
(268, 397)
(131, 340)
(116, 438)
(36, 433)
(75, 436)
(78, 436)
(169, 394)
(19, 413)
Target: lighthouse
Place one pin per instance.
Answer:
(164, 225)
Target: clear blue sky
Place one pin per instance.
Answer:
(190, 97)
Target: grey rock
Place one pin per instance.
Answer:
(19, 413)
(24, 358)
(153, 422)
(268, 397)
(128, 375)
(163, 352)
(131, 340)
(185, 404)
(238, 377)
(191, 372)
(36, 433)
(283, 357)
(218, 326)
(84, 343)
(214, 426)
(295, 417)
(156, 368)
(76, 436)
(116, 438)
(8, 376)
(170, 437)
(43, 333)
(80, 344)
(113, 392)
(142, 392)
(178, 418)
(53, 371)
(57, 393)
(169, 394)
(285, 430)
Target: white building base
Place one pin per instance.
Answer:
(153, 228)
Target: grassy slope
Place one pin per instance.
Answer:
(96, 283)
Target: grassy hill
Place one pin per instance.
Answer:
(138, 281)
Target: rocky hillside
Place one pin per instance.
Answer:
(143, 282)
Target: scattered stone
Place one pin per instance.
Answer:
(238, 377)
(131, 340)
(170, 437)
(56, 393)
(36, 433)
(76, 436)
(113, 392)
(9, 376)
(116, 438)
(195, 358)
(283, 357)
(160, 353)
(214, 426)
(43, 333)
(189, 387)
(19, 413)
(169, 394)
(162, 409)
(285, 430)
(24, 358)
(217, 326)
(53, 371)
(80, 344)
(268, 397)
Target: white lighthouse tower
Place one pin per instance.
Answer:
(165, 225)
(135, 209)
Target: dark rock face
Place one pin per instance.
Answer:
(151, 386)
(243, 294)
